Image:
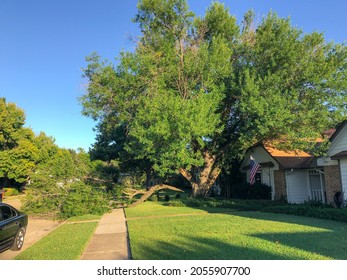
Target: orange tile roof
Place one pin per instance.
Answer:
(281, 153)
(289, 158)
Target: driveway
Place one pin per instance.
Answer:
(37, 228)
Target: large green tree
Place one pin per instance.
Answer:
(199, 89)
(18, 154)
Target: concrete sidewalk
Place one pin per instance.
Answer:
(110, 239)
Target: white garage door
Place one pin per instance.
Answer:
(297, 186)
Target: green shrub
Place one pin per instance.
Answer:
(247, 191)
(175, 203)
(259, 191)
(194, 202)
(239, 191)
(336, 214)
(319, 204)
(83, 199)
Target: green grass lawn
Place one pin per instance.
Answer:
(67, 242)
(156, 233)
(154, 209)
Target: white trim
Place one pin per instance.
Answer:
(308, 185)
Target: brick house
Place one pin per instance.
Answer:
(292, 175)
(298, 176)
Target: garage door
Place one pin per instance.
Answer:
(297, 186)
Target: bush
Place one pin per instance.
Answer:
(247, 191)
(308, 209)
(82, 199)
(259, 191)
(175, 203)
(322, 212)
(193, 202)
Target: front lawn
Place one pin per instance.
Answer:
(157, 233)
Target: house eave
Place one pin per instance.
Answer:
(340, 155)
(262, 164)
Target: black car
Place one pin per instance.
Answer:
(13, 224)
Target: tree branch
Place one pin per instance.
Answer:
(185, 174)
(133, 192)
(151, 191)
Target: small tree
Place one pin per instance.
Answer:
(18, 154)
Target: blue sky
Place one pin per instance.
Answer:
(43, 45)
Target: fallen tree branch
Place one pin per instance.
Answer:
(151, 191)
(133, 192)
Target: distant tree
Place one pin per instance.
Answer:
(198, 90)
(18, 154)
(46, 147)
(110, 146)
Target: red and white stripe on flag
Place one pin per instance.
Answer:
(254, 166)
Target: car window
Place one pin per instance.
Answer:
(14, 213)
(7, 212)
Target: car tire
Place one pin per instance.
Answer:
(19, 240)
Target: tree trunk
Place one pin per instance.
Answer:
(203, 179)
(148, 178)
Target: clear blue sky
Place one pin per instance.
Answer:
(43, 45)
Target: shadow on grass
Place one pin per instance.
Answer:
(279, 246)
(329, 239)
(316, 239)
(322, 243)
(290, 219)
(201, 249)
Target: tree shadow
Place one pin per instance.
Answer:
(322, 239)
(290, 219)
(321, 243)
(326, 237)
(202, 249)
(284, 244)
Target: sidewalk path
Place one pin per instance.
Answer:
(110, 240)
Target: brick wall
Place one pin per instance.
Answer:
(280, 184)
(332, 179)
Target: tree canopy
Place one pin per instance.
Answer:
(18, 154)
(197, 90)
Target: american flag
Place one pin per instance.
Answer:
(254, 166)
